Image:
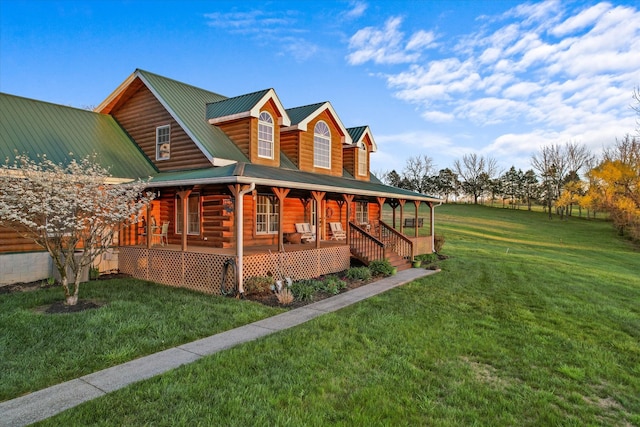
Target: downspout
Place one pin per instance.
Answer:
(240, 234)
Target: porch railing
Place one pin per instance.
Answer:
(396, 241)
(364, 246)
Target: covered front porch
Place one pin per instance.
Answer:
(245, 216)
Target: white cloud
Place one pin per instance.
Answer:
(421, 39)
(582, 20)
(380, 46)
(357, 10)
(438, 116)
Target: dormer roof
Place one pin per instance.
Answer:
(301, 116)
(248, 105)
(358, 135)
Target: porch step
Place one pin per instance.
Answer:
(399, 262)
(396, 260)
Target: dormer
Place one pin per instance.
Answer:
(315, 138)
(253, 123)
(356, 156)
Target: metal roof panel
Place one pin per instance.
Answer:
(35, 127)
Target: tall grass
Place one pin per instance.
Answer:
(531, 322)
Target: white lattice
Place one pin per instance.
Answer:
(203, 271)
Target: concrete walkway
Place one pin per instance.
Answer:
(50, 401)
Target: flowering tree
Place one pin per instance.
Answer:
(73, 211)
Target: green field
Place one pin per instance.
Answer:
(530, 322)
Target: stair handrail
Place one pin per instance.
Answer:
(402, 245)
(365, 246)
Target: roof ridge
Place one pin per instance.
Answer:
(240, 96)
(140, 70)
(308, 105)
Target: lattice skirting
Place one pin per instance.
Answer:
(203, 272)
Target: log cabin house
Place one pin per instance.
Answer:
(234, 178)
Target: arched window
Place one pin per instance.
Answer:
(362, 160)
(265, 135)
(321, 145)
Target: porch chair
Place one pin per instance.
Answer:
(307, 232)
(163, 234)
(337, 232)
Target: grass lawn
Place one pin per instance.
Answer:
(530, 322)
(139, 318)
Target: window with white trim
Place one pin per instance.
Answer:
(321, 145)
(267, 214)
(362, 160)
(265, 135)
(362, 212)
(163, 142)
(193, 214)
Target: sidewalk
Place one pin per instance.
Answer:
(50, 401)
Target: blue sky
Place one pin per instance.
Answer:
(441, 78)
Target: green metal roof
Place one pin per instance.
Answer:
(356, 133)
(298, 114)
(34, 128)
(270, 176)
(187, 104)
(236, 105)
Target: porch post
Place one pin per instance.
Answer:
(184, 196)
(381, 201)
(319, 196)
(394, 204)
(432, 224)
(348, 198)
(148, 231)
(401, 202)
(417, 203)
(238, 191)
(281, 194)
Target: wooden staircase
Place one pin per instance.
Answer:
(391, 245)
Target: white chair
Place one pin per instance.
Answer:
(162, 236)
(308, 234)
(337, 232)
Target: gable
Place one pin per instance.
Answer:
(186, 104)
(184, 154)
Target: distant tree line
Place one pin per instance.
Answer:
(563, 178)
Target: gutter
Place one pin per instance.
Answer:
(290, 184)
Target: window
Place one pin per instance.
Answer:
(193, 214)
(266, 214)
(265, 135)
(362, 213)
(163, 142)
(321, 145)
(362, 160)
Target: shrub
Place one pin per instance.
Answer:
(358, 273)
(333, 285)
(303, 290)
(258, 285)
(427, 258)
(381, 268)
(438, 242)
